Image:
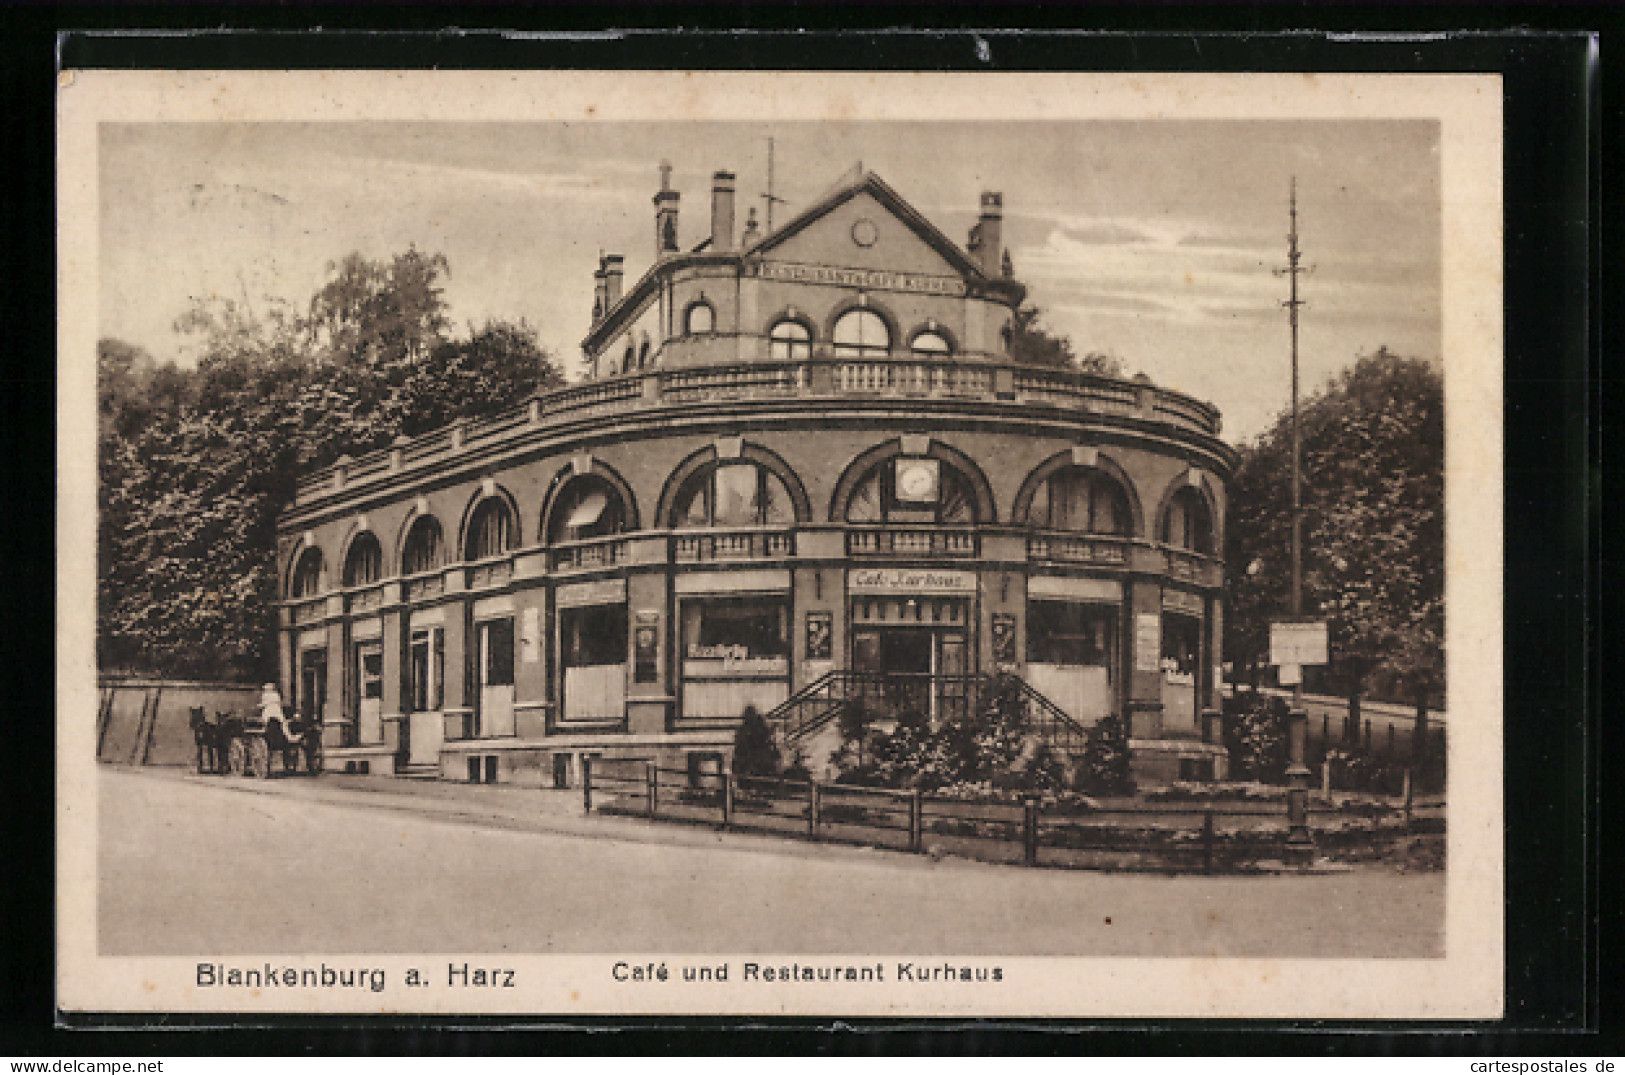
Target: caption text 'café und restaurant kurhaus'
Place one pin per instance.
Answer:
(799, 455)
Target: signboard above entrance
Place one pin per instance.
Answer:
(872, 279)
(911, 580)
(1298, 642)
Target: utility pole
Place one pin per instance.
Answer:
(770, 198)
(1299, 844)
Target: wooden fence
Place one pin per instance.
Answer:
(1120, 834)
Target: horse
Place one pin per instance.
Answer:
(206, 737)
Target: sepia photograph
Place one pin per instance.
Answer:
(766, 543)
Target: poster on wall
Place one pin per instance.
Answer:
(1147, 641)
(819, 636)
(1004, 638)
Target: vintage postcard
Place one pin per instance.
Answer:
(909, 545)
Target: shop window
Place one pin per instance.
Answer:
(736, 629)
(307, 574)
(1181, 646)
(490, 532)
(587, 507)
(700, 319)
(1071, 633)
(365, 563)
(1082, 500)
(861, 333)
(908, 489)
(422, 551)
(789, 341)
(1188, 523)
(593, 636)
(735, 494)
(930, 344)
(428, 661)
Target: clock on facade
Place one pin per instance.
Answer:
(864, 232)
(917, 480)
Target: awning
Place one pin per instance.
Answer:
(587, 512)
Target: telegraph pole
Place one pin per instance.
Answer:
(769, 197)
(1299, 844)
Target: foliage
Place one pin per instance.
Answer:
(1255, 735)
(992, 747)
(1104, 768)
(195, 465)
(1373, 529)
(1032, 344)
(755, 753)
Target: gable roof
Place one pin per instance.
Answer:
(871, 184)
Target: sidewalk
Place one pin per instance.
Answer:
(524, 809)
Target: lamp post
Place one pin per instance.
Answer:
(1300, 846)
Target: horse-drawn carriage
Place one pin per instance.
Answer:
(232, 744)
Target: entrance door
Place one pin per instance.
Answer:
(425, 726)
(953, 685)
(312, 685)
(369, 710)
(897, 666)
(496, 677)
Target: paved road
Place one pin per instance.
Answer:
(192, 865)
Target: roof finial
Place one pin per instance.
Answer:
(665, 175)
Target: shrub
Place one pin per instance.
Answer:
(1104, 768)
(754, 751)
(1255, 736)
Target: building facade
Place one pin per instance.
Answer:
(802, 460)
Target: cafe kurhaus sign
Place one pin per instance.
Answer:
(872, 279)
(911, 580)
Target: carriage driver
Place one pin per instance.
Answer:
(271, 712)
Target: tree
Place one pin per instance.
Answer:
(1032, 344)
(755, 753)
(190, 492)
(1373, 530)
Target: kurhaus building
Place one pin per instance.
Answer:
(803, 463)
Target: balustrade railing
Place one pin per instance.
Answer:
(424, 587)
(898, 375)
(599, 552)
(894, 541)
(369, 598)
(1077, 549)
(494, 573)
(733, 545)
(308, 611)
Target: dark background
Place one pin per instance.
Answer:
(1562, 122)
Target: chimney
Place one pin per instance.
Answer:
(665, 214)
(614, 275)
(988, 237)
(599, 306)
(722, 212)
(753, 232)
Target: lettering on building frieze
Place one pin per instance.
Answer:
(871, 279)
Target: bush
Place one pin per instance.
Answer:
(754, 751)
(1104, 768)
(1255, 736)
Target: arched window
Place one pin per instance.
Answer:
(701, 318)
(307, 574)
(587, 507)
(912, 489)
(643, 355)
(861, 333)
(422, 552)
(1081, 499)
(1188, 523)
(628, 359)
(929, 343)
(490, 532)
(734, 494)
(365, 564)
(789, 341)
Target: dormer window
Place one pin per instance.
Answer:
(861, 333)
(701, 319)
(789, 341)
(930, 344)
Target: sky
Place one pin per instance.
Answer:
(1152, 240)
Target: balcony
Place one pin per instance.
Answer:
(1078, 549)
(912, 541)
(691, 374)
(706, 546)
(586, 555)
